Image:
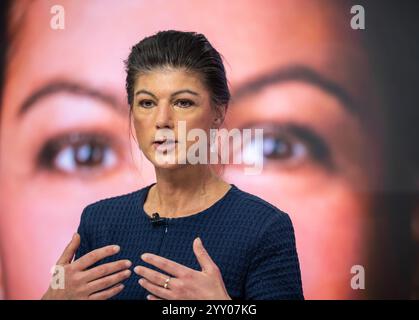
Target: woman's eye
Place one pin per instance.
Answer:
(184, 103)
(78, 152)
(146, 103)
(287, 145)
(274, 148)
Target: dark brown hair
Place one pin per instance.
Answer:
(187, 50)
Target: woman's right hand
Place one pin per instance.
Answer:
(99, 283)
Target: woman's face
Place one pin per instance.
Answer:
(168, 103)
(65, 137)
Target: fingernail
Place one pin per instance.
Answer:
(128, 264)
(145, 256)
(116, 248)
(136, 269)
(141, 281)
(199, 241)
(148, 297)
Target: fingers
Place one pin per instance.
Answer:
(156, 290)
(70, 250)
(204, 259)
(108, 281)
(94, 256)
(168, 266)
(106, 294)
(105, 269)
(151, 275)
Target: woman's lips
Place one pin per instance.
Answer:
(166, 145)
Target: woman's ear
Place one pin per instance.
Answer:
(220, 113)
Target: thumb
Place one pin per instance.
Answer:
(70, 250)
(202, 255)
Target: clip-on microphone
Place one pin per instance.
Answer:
(156, 220)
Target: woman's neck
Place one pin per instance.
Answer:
(184, 191)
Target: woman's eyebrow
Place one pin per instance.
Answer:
(296, 73)
(55, 87)
(185, 91)
(145, 92)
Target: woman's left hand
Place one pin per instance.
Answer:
(184, 283)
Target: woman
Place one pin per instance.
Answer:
(249, 253)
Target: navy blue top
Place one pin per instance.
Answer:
(251, 241)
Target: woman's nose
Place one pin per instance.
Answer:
(164, 116)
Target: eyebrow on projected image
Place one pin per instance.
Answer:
(288, 141)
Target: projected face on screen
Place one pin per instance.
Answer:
(296, 71)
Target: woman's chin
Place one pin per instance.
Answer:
(167, 166)
(165, 163)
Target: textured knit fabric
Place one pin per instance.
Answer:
(251, 241)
